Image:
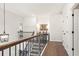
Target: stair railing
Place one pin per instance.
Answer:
(23, 47)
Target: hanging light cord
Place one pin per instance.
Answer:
(4, 17)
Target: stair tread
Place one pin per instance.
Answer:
(34, 52)
(37, 45)
(36, 48)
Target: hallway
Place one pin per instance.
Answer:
(55, 49)
(25, 29)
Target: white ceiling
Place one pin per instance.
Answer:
(25, 9)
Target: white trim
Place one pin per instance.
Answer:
(43, 49)
(56, 40)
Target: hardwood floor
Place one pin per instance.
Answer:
(55, 49)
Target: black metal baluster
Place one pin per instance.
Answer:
(48, 37)
(43, 40)
(2, 52)
(23, 49)
(39, 45)
(10, 51)
(28, 49)
(19, 49)
(33, 40)
(15, 50)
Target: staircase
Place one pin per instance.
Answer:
(36, 49)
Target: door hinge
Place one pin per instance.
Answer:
(72, 49)
(72, 32)
(72, 14)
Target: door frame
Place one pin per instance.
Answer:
(73, 8)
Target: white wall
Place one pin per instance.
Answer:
(67, 28)
(56, 27)
(29, 24)
(42, 19)
(54, 22)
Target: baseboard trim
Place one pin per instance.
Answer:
(65, 48)
(44, 49)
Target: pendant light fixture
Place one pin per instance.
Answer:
(4, 37)
(20, 32)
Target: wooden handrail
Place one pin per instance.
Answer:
(13, 43)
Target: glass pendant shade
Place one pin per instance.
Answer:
(21, 27)
(20, 31)
(4, 37)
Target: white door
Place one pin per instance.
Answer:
(76, 32)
